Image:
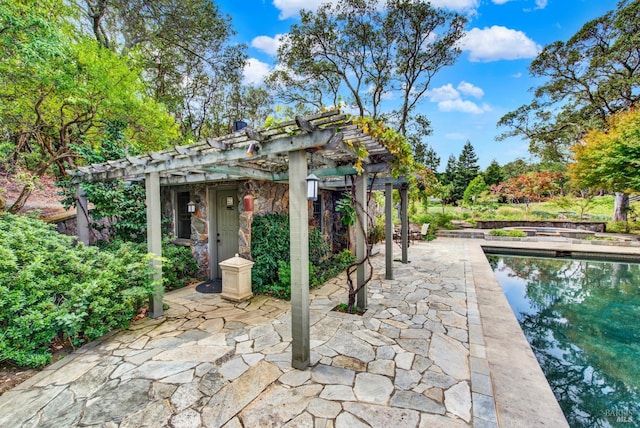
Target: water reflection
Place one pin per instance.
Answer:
(582, 319)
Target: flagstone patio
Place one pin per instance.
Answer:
(418, 357)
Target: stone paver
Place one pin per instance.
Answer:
(416, 358)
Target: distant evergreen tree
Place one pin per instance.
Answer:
(493, 174)
(466, 169)
(431, 159)
(450, 171)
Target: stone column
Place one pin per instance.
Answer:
(299, 237)
(388, 228)
(154, 240)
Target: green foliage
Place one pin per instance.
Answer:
(603, 57)
(543, 215)
(318, 248)
(271, 272)
(509, 212)
(623, 227)
(436, 221)
(509, 233)
(493, 174)
(178, 265)
(475, 188)
(389, 51)
(50, 287)
(269, 245)
(122, 205)
(346, 207)
(376, 232)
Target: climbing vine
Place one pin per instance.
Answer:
(392, 140)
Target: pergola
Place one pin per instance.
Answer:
(320, 144)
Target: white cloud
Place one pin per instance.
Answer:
(470, 89)
(457, 5)
(497, 43)
(450, 99)
(541, 4)
(268, 44)
(463, 106)
(291, 8)
(500, 1)
(255, 71)
(517, 75)
(443, 93)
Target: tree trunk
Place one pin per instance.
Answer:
(22, 199)
(620, 207)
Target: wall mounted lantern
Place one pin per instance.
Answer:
(312, 187)
(253, 149)
(191, 207)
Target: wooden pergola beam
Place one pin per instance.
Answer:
(282, 145)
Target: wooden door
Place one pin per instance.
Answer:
(227, 225)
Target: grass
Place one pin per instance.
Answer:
(599, 209)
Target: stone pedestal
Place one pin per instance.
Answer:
(236, 279)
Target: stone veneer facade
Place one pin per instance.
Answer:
(269, 198)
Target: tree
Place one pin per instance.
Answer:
(531, 187)
(466, 169)
(443, 192)
(449, 171)
(493, 174)
(185, 49)
(57, 91)
(357, 49)
(590, 77)
(516, 167)
(476, 187)
(610, 159)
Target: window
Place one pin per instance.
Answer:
(183, 217)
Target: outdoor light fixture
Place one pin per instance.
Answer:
(253, 149)
(191, 207)
(312, 187)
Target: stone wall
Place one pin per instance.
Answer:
(593, 226)
(68, 225)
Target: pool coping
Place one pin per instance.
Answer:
(522, 395)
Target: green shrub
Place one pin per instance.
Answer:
(178, 265)
(509, 212)
(497, 232)
(269, 245)
(271, 272)
(318, 248)
(50, 287)
(436, 221)
(623, 226)
(512, 233)
(542, 215)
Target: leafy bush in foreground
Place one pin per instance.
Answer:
(50, 287)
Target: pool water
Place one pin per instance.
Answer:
(582, 319)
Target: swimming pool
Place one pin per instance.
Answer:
(582, 319)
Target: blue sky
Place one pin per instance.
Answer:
(466, 100)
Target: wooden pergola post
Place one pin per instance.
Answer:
(82, 216)
(154, 240)
(361, 239)
(299, 237)
(388, 229)
(404, 214)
